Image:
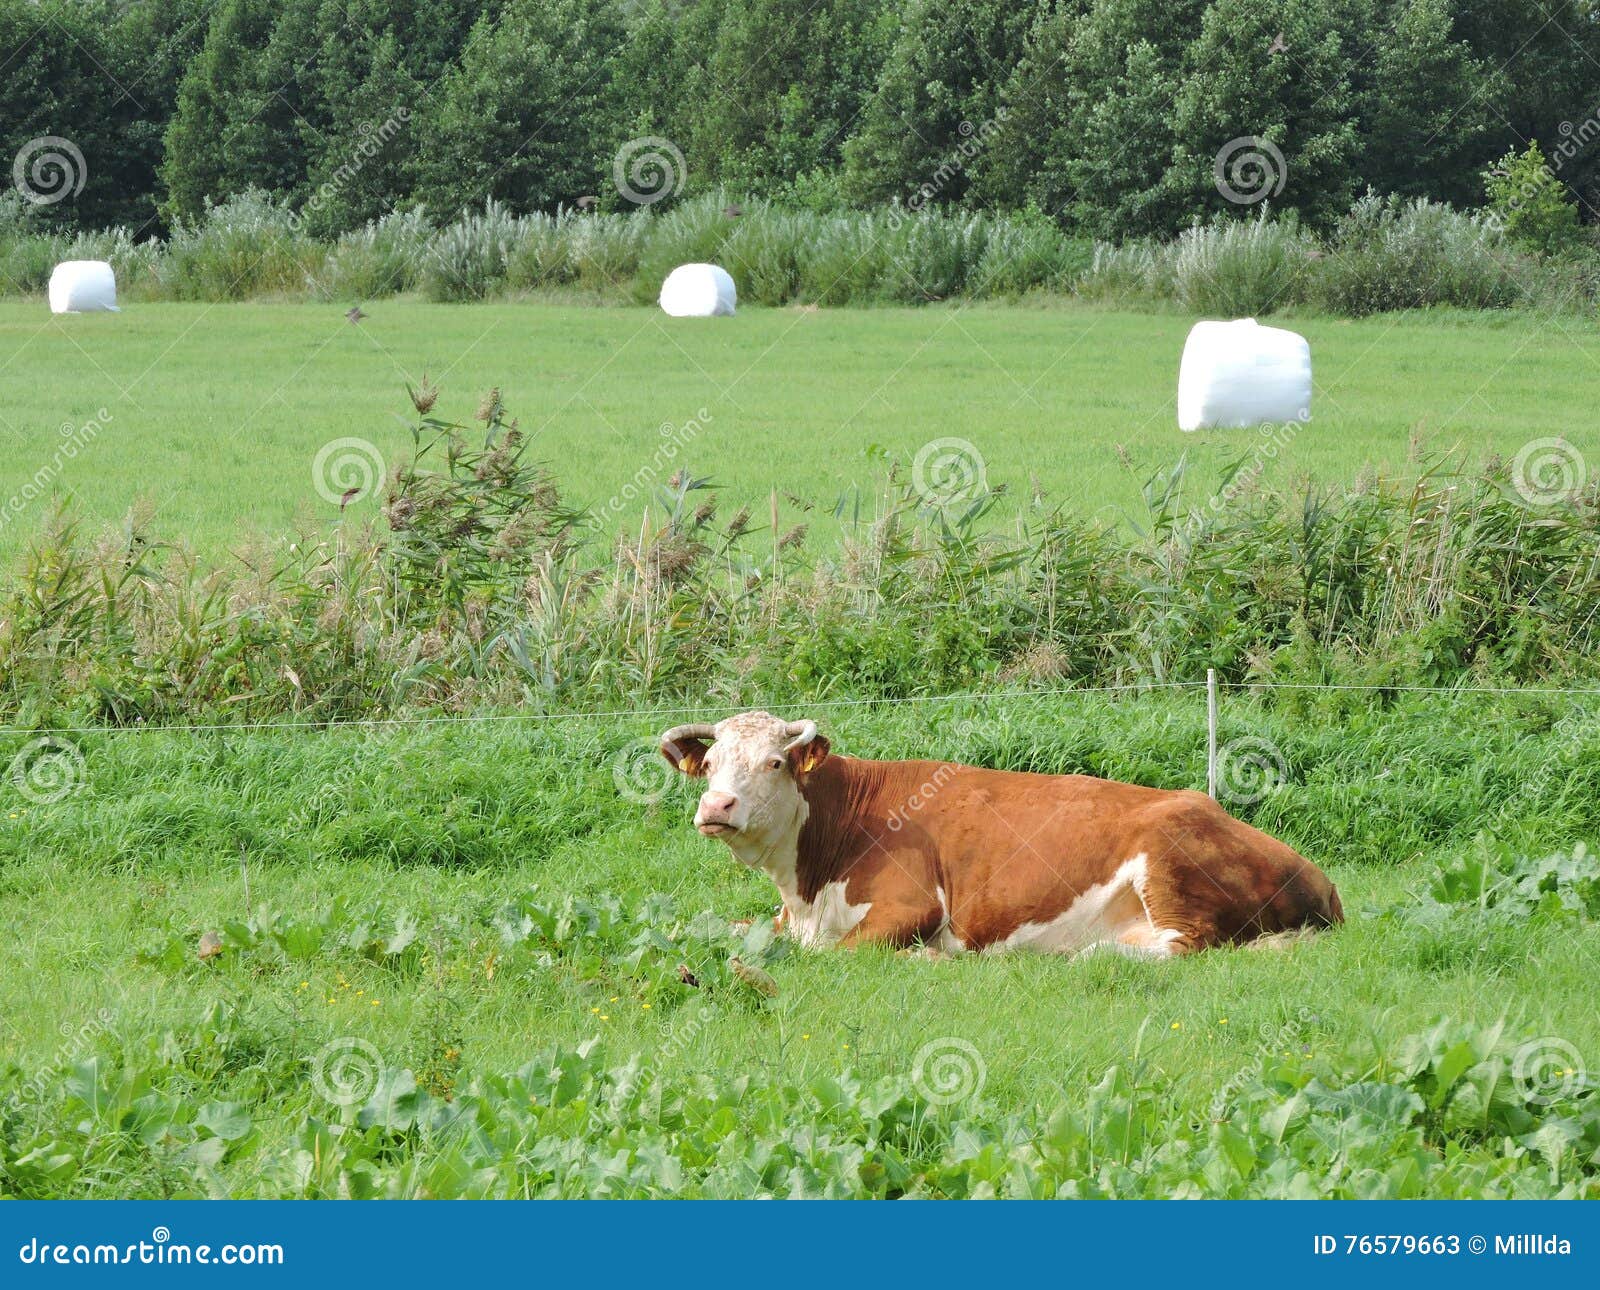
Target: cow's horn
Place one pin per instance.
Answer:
(803, 731)
(693, 730)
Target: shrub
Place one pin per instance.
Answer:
(385, 256)
(488, 588)
(928, 255)
(1393, 254)
(468, 259)
(1529, 204)
(605, 250)
(1131, 271)
(765, 255)
(843, 260)
(1239, 267)
(246, 246)
(1024, 255)
(544, 256)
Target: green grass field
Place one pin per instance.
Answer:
(404, 897)
(216, 412)
(491, 957)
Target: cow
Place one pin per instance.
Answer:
(945, 858)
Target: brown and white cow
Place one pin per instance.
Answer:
(958, 858)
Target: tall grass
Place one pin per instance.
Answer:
(1241, 267)
(485, 588)
(380, 259)
(250, 245)
(1386, 254)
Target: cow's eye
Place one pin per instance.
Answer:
(775, 763)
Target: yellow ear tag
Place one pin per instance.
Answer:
(684, 765)
(811, 762)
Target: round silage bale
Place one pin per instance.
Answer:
(699, 291)
(82, 287)
(1240, 373)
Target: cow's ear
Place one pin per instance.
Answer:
(688, 755)
(807, 757)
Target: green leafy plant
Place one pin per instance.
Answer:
(1529, 203)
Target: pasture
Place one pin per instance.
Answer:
(216, 412)
(486, 954)
(451, 961)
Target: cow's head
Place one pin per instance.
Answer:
(754, 764)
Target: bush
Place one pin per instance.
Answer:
(246, 246)
(1529, 204)
(843, 260)
(1238, 268)
(765, 255)
(1384, 254)
(1389, 254)
(380, 259)
(606, 250)
(1130, 272)
(488, 589)
(928, 256)
(468, 259)
(544, 256)
(1028, 255)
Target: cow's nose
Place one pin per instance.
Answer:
(717, 804)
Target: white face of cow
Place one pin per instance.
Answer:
(753, 767)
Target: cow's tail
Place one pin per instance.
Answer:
(1283, 940)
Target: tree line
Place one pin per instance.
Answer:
(1108, 116)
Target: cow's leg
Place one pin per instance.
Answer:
(900, 924)
(1152, 942)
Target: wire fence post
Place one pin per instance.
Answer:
(1211, 732)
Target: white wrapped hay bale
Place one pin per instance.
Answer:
(698, 291)
(82, 286)
(1242, 374)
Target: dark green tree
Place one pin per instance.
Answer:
(527, 114)
(1088, 134)
(936, 103)
(1279, 72)
(1422, 118)
(249, 110)
(783, 85)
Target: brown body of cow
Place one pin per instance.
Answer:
(959, 858)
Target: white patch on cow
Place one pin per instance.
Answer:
(827, 919)
(1094, 921)
(944, 940)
